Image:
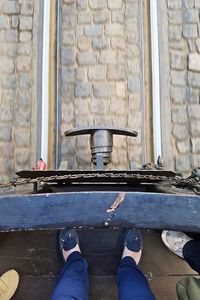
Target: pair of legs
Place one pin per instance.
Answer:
(131, 282)
(183, 246)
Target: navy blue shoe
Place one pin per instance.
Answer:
(133, 240)
(68, 239)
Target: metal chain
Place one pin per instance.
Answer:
(177, 181)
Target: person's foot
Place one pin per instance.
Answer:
(133, 244)
(8, 284)
(175, 241)
(69, 242)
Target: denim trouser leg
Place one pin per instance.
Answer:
(191, 253)
(73, 280)
(132, 284)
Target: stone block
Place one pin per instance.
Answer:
(134, 65)
(84, 17)
(97, 73)
(4, 22)
(179, 115)
(94, 30)
(6, 113)
(190, 31)
(69, 9)
(133, 51)
(67, 92)
(175, 33)
(114, 4)
(68, 37)
(120, 89)
(101, 16)
(5, 132)
(86, 58)
(22, 137)
(194, 79)
(180, 132)
(198, 44)
(22, 156)
(174, 4)
(194, 62)
(15, 22)
(195, 161)
(22, 116)
(6, 151)
(97, 4)
(116, 72)
(68, 75)
(7, 65)
(178, 78)
(11, 36)
(25, 23)
(25, 36)
(11, 50)
(6, 167)
(24, 63)
(188, 3)
(11, 7)
(114, 30)
(81, 74)
(103, 90)
(177, 60)
(175, 17)
(190, 16)
(9, 82)
(99, 106)
(195, 128)
(195, 145)
(118, 43)
(118, 107)
(132, 38)
(133, 83)
(24, 97)
(193, 95)
(69, 21)
(100, 43)
(27, 8)
(8, 96)
(67, 56)
(191, 45)
(134, 103)
(178, 94)
(194, 111)
(131, 9)
(24, 48)
(108, 57)
(83, 89)
(81, 106)
(182, 163)
(117, 17)
(81, 4)
(84, 43)
(183, 147)
(67, 111)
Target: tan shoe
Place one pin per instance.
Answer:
(8, 284)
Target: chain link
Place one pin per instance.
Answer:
(177, 181)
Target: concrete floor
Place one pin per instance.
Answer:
(36, 257)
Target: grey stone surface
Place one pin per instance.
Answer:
(190, 31)
(194, 79)
(180, 132)
(194, 62)
(11, 7)
(68, 56)
(83, 89)
(196, 145)
(182, 163)
(179, 115)
(86, 58)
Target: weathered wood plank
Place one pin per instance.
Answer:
(142, 210)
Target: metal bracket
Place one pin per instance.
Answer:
(101, 141)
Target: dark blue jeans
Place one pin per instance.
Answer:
(191, 253)
(73, 281)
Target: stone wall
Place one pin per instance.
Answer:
(184, 52)
(16, 85)
(101, 75)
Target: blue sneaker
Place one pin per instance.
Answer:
(133, 240)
